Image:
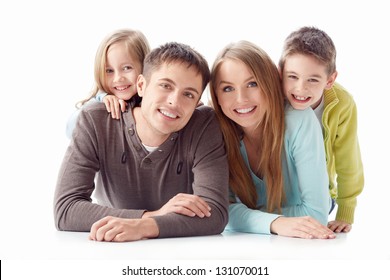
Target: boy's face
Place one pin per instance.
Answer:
(304, 81)
(168, 100)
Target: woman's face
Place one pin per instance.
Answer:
(238, 94)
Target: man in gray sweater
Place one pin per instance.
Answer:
(161, 170)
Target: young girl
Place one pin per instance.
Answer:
(118, 62)
(277, 167)
(308, 68)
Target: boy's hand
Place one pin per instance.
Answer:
(114, 105)
(339, 226)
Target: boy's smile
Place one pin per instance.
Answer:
(304, 81)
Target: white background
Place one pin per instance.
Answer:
(47, 52)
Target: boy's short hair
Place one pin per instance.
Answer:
(310, 41)
(176, 52)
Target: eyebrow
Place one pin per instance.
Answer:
(132, 64)
(187, 88)
(312, 75)
(245, 81)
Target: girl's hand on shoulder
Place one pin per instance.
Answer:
(301, 227)
(114, 105)
(339, 226)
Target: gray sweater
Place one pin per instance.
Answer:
(130, 181)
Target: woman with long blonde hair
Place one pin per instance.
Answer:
(278, 176)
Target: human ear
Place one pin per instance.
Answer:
(331, 80)
(280, 73)
(141, 84)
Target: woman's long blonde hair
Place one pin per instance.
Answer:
(137, 45)
(271, 127)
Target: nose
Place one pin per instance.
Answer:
(242, 95)
(301, 86)
(173, 98)
(118, 76)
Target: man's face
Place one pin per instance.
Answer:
(168, 100)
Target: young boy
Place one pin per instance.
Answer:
(308, 70)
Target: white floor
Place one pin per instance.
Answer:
(36, 238)
(45, 251)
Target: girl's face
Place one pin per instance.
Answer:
(122, 70)
(304, 81)
(238, 94)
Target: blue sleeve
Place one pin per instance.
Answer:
(71, 124)
(306, 172)
(100, 95)
(244, 219)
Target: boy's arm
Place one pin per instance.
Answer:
(348, 163)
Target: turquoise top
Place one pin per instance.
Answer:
(305, 178)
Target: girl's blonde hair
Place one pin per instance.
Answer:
(137, 46)
(271, 127)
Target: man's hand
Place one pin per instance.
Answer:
(184, 204)
(122, 230)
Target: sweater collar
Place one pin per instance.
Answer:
(330, 96)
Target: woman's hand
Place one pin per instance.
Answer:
(302, 227)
